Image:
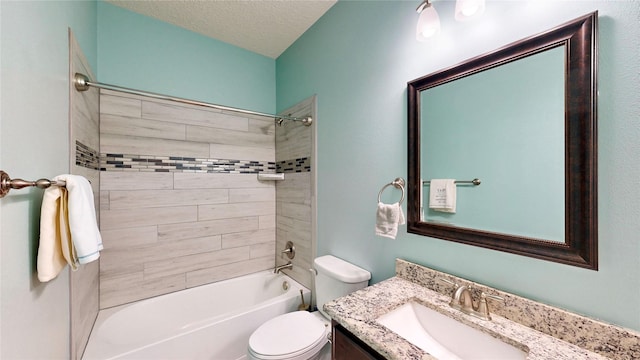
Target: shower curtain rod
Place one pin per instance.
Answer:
(82, 83)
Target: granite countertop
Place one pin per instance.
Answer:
(358, 312)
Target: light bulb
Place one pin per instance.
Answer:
(467, 9)
(428, 23)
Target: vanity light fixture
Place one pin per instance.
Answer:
(429, 21)
(468, 9)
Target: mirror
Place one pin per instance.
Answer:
(466, 139)
(522, 119)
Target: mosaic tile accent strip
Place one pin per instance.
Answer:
(87, 157)
(128, 162)
(294, 166)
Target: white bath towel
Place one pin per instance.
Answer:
(442, 195)
(55, 249)
(82, 219)
(388, 217)
(68, 228)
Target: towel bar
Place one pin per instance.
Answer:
(6, 183)
(475, 181)
(398, 183)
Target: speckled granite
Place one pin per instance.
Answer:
(542, 331)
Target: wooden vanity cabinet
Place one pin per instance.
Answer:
(346, 346)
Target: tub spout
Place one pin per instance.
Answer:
(277, 269)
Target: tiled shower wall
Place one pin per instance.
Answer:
(84, 141)
(294, 196)
(181, 205)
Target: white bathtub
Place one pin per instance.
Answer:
(207, 322)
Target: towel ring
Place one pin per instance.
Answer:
(398, 183)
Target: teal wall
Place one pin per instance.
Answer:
(34, 143)
(140, 52)
(358, 59)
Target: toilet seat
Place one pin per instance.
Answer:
(293, 335)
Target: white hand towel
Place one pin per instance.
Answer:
(388, 217)
(55, 245)
(82, 219)
(442, 195)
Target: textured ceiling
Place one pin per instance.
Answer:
(266, 27)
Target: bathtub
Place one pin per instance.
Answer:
(207, 322)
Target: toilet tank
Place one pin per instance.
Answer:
(335, 278)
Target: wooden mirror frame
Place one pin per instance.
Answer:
(580, 247)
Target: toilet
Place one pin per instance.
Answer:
(303, 335)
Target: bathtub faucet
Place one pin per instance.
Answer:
(277, 269)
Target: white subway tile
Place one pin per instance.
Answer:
(235, 210)
(241, 152)
(218, 181)
(229, 137)
(297, 211)
(187, 263)
(118, 105)
(267, 221)
(116, 180)
(217, 273)
(263, 126)
(158, 198)
(206, 228)
(121, 144)
(294, 141)
(104, 200)
(296, 181)
(297, 196)
(291, 224)
(118, 292)
(263, 249)
(120, 125)
(189, 115)
(112, 259)
(127, 218)
(248, 238)
(251, 195)
(127, 237)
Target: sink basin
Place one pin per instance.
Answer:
(445, 338)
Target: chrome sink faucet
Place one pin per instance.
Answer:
(463, 300)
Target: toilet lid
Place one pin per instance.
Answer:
(287, 334)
